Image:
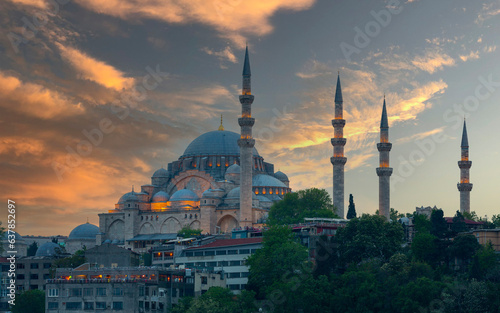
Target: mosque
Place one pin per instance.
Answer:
(220, 182)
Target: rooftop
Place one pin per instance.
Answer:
(229, 243)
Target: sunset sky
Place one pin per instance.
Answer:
(70, 67)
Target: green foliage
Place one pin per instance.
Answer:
(187, 232)
(368, 237)
(183, 305)
(422, 223)
(471, 216)
(439, 227)
(424, 247)
(73, 261)
(458, 225)
(280, 260)
(351, 212)
(495, 219)
(394, 215)
(464, 247)
(298, 205)
(32, 301)
(32, 249)
(217, 300)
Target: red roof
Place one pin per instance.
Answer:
(229, 242)
(449, 220)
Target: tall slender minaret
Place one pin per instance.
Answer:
(464, 164)
(338, 160)
(246, 144)
(384, 172)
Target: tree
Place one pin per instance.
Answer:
(370, 236)
(394, 215)
(422, 223)
(464, 247)
(281, 259)
(32, 301)
(187, 232)
(439, 227)
(32, 249)
(351, 213)
(73, 261)
(424, 247)
(496, 220)
(471, 216)
(458, 225)
(298, 205)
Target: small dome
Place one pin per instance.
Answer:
(129, 196)
(160, 196)
(233, 169)
(263, 198)
(184, 195)
(281, 176)
(49, 249)
(209, 193)
(234, 193)
(84, 231)
(115, 242)
(160, 173)
(107, 241)
(263, 180)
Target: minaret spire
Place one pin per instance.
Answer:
(384, 172)
(464, 164)
(246, 144)
(338, 160)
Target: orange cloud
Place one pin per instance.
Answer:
(94, 70)
(233, 19)
(34, 99)
(41, 4)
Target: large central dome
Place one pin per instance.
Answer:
(218, 142)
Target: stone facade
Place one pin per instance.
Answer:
(384, 172)
(464, 187)
(338, 160)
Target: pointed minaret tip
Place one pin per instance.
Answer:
(465, 140)
(338, 91)
(221, 127)
(246, 64)
(384, 123)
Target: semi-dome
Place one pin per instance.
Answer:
(49, 249)
(129, 196)
(263, 198)
(281, 176)
(161, 173)
(84, 231)
(263, 180)
(235, 194)
(218, 142)
(233, 169)
(160, 196)
(184, 195)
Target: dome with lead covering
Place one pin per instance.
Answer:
(233, 169)
(49, 249)
(160, 196)
(218, 142)
(263, 180)
(129, 196)
(84, 231)
(161, 173)
(184, 195)
(281, 176)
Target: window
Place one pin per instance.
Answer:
(20, 265)
(234, 275)
(100, 292)
(232, 251)
(189, 253)
(146, 291)
(34, 276)
(211, 264)
(46, 276)
(53, 292)
(199, 253)
(221, 252)
(53, 305)
(100, 305)
(141, 291)
(75, 292)
(204, 280)
(88, 305)
(188, 265)
(209, 253)
(234, 287)
(47, 265)
(117, 291)
(254, 250)
(20, 276)
(117, 306)
(244, 251)
(73, 306)
(34, 266)
(244, 274)
(5, 268)
(200, 264)
(33, 287)
(234, 263)
(88, 292)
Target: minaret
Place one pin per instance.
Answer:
(384, 172)
(338, 160)
(246, 144)
(464, 164)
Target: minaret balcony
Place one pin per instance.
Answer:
(464, 164)
(246, 99)
(384, 146)
(338, 122)
(246, 121)
(338, 160)
(384, 171)
(464, 186)
(338, 141)
(246, 143)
